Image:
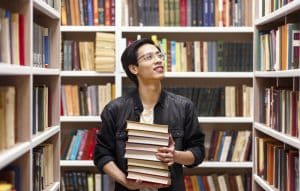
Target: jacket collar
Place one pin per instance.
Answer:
(138, 103)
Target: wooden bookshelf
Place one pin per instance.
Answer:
(24, 76)
(282, 82)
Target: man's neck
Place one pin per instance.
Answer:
(149, 94)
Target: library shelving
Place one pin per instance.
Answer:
(200, 81)
(276, 85)
(30, 94)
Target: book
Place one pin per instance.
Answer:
(149, 178)
(147, 127)
(147, 170)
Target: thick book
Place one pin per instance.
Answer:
(148, 140)
(149, 170)
(149, 178)
(147, 127)
(147, 163)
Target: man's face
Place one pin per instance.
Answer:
(150, 63)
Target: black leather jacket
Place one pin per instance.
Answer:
(174, 110)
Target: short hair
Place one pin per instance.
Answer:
(129, 56)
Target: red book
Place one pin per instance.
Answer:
(182, 15)
(21, 40)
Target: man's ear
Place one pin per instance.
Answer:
(133, 69)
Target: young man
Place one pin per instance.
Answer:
(149, 103)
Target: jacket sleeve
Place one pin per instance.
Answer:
(105, 139)
(193, 136)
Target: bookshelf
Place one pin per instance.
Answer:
(190, 79)
(276, 84)
(17, 70)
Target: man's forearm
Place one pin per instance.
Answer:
(184, 157)
(115, 173)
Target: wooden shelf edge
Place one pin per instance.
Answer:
(292, 141)
(13, 153)
(53, 187)
(217, 164)
(13, 69)
(85, 74)
(42, 136)
(278, 74)
(263, 183)
(80, 119)
(71, 28)
(225, 119)
(46, 9)
(70, 163)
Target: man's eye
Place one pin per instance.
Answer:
(148, 57)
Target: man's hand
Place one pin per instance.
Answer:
(166, 154)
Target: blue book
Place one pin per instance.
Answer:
(77, 142)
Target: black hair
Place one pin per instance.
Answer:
(129, 56)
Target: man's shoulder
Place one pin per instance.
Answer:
(178, 98)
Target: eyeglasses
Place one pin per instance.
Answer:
(150, 56)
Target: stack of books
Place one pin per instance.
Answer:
(143, 142)
(105, 52)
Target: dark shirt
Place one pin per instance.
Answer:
(173, 110)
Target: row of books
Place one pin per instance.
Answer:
(88, 12)
(222, 182)
(40, 107)
(41, 46)
(81, 180)
(142, 145)
(7, 116)
(105, 52)
(78, 144)
(282, 110)
(78, 55)
(267, 7)
(279, 48)
(12, 49)
(43, 163)
(186, 13)
(230, 146)
(215, 101)
(10, 178)
(205, 56)
(85, 99)
(277, 164)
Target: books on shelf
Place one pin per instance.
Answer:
(105, 52)
(7, 116)
(140, 152)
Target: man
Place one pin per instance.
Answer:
(149, 103)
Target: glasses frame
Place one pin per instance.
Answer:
(150, 56)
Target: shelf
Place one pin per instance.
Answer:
(278, 74)
(45, 71)
(53, 187)
(205, 75)
(8, 69)
(87, 29)
(9, 155)
(80, 119)
(40, 137)
(78, 163)
(263, 183)
(216, 164)
(46, 9)
(178, 29)
(85, 74)
(281, 12)
(292, 141)
(225, 119)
